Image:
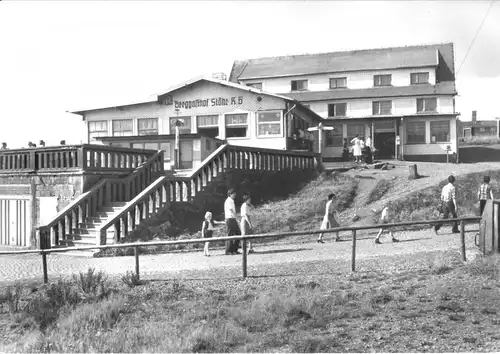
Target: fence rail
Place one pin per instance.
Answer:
(136, 245)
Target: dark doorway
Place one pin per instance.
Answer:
(385, 143)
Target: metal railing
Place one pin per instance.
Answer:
(136, 245)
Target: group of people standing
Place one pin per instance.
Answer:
(361, 150)
(244, 227)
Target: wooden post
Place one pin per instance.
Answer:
(462, 240)
(413, 172)
(353, 260)
(244, 256)
(44, 265)
(136, 254)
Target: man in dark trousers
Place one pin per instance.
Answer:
(449, 204)
(231, 222)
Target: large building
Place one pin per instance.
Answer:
(212, 111)
(402, 98)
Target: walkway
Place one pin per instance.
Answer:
(29, 267)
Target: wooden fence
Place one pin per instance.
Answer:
(136, 245)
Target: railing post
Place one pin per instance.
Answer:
(353, 260)
(136, 255)
(244, 256)
(44, 266)
(462, 240)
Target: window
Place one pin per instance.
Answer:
(415, 133)
(148, 126)
(237, 125)
(97, 128)
(208, 125)
(269, 123)
(382, 80)
(123, 127)
(419, 78)
(355, 129)
(382, 107)
(299, 85)
(426, 105)
(334, 138)
(337, 109)
(440, 131)
(338, 82)
(185, 129)
(257, 85)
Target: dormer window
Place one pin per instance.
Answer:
(299, 85)
(419, 78)
(382, 80)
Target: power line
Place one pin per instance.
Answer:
(477, 32)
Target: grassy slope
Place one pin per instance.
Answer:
(436, 304)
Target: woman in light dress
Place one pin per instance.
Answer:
(246, 222)
(330, 219)
(356, 147)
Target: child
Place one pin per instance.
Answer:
(246, 224)
(207, 229)
(484, 193)
(384, 219)
(329, 220)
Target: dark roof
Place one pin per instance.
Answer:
(443, 88)
(438, 55)
(479, 123)
(154, 137)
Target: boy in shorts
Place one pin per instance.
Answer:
(384, 219)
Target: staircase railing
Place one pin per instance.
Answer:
(106, 191)
(167, 190)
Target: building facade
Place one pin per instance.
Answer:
(402, 98)
(478, 128)
(212, 112)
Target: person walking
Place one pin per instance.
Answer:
(329, 220)
(207, 228)
(484, 193)
(246, 222)
(231, 223)
(384, 219)
(356, 147)
(449, 204)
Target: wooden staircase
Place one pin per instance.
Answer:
(114, 207)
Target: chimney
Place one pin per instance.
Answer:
(474, 117)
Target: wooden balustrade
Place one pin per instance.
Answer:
(73, 157)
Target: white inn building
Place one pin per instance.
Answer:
(402, 98)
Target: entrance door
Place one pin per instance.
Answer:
(186, 160)
(385, 143)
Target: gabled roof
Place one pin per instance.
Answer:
(442, 88)
(436, 55)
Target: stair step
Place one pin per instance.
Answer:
(78, 237)
(90, 231)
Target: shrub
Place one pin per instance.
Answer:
(92, 283)
(12, 296)
(131, 279)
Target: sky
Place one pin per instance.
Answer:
(59, 56)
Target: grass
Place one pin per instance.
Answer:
(369, 311)
(378, 191)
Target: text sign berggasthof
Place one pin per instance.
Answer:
(209, 102)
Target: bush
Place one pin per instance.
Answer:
(12, 296)
(92, 283)
(131, 279)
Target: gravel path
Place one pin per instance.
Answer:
(29, 267)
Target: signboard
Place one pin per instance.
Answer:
(210, 102)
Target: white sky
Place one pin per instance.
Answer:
(62, 56)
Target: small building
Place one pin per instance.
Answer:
(478, 128)
(211, 112)
(403, 98)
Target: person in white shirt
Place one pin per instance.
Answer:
(330, 219)
(384, 219)
(231, 223)
(246, 222)
(449, 205)
(356, 148)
